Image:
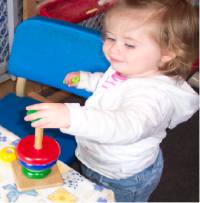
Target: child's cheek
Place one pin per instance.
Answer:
(106, 50)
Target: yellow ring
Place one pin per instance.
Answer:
(8, 154)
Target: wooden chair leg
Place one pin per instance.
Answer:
(20, 87)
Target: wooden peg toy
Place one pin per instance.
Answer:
(36, 166)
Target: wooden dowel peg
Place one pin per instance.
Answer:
(38, 138)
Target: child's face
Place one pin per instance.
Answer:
(129, 45)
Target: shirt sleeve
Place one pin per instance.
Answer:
(140, 116)
(89, 80)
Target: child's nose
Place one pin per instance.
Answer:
(115, 48)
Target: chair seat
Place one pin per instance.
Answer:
(12, 112)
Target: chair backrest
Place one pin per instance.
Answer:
(46, 50)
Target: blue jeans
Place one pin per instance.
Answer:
(136, 188)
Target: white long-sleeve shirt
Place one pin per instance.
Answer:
(119, 129)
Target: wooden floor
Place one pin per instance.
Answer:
(40, 92)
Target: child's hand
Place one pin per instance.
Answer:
(50, 115)
(72, 79)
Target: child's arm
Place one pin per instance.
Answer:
(138, 117)
(143, 112)
(83, 80)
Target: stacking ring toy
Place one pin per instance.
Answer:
(35, 174)
(36, 167)
(8, 154)
(37, 153)
(49, 152)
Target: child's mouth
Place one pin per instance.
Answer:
(114, 60)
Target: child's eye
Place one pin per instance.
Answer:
(129, 46)
(111, 39)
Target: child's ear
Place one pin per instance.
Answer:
(166, 59)
(167, 56)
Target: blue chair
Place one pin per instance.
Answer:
(44, 51)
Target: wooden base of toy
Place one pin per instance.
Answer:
(23, 183)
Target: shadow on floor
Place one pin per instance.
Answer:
(180, 180)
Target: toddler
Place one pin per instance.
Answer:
(150, 45)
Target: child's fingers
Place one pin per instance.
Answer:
(71, 75)
(69, 79)
(40, 106)
(43, 123)
(39, 115)
(34, 116)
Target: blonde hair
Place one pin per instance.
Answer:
(178, 21)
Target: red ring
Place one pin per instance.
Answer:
(26, 152)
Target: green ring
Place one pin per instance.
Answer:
(35, 174)
(75, 80)
(30, 112)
